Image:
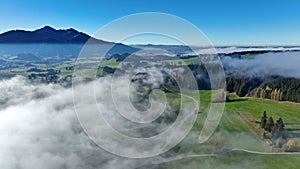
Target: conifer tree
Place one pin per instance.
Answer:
(270, 124)
(263, 120)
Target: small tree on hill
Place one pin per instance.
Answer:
(269, 125)
(263, 120)
(280, 124)
(278, 129)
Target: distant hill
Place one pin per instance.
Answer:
(48, 34)
(48, 41)
(27, 57)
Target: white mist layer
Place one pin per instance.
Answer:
(282, 64)
(39, 128)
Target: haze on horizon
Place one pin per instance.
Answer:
(236, 23)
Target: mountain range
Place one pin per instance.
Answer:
(49, 42)
(48, 34)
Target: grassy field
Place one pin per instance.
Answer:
(236, 130)
(111, 63)
(254, 107)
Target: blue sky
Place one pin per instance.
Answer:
(231, 22)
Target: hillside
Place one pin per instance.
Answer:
(237, 131)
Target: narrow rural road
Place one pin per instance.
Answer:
(161, 160)
(265, 153)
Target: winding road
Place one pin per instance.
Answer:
(161, 160)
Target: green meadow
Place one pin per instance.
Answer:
(237, 130)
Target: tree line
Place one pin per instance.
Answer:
(276, 87)
(268, 93)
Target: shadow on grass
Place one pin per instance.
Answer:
(294, 135)
(236, 100)
(291, 129)
(292, 123)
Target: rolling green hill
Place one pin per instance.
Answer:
(238, 130)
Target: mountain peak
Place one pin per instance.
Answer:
(45, 29)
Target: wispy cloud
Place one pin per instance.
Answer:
(282, 64)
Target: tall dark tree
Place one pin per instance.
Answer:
(278, 129)
(263, 120)
(269, 125)
(280, 124)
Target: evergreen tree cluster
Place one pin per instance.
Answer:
(289, 87)
(276, 129)
(276, 88)
(242, 85)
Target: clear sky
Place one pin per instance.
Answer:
(225, 22)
